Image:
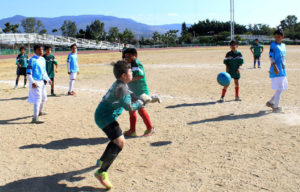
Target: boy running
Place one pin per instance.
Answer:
(22, 62)
(139, 88)
(50, 62)
(277, 70)
(73, 69)
(257, 49)
(233, 61)
(37, 74)
(110, 108)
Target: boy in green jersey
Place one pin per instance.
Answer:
(50, 63)
(257, 49)
(22, 62)
(233, 61)
(139, 87)
(110, 108)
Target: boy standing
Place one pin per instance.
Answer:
(37, 74)
(139, 88)
(257, 49)
(233, 61)
(73, 69)
(277, 70)
(116, 99)
(50, 62)
(22, 62)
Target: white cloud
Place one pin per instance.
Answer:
(173, 14)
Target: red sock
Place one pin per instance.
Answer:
(146, 118)
(223, 92)
(236, 91)
(133, 120)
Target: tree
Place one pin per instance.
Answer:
(39, 25)
(81, 34)
(290, 27)
(113, 34)
(127, 36)
(29, 25)
(260, 29)
(156, 37)
(69, 29)
(97, 31)
(43, 31)
(7, 28)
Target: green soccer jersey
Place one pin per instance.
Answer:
(234, 61)
(115, 100)
(138, 87)
(22, 60)
(50, 62)
(257, 49)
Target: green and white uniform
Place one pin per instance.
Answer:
(234, 61)
(257, 49)
(50, 62)
(115, 100)
(22, 60)
(138, 87)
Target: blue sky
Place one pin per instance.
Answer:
(156, 12)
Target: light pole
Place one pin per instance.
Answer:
(232, 19)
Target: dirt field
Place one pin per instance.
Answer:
(200, 145)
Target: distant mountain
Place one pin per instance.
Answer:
(139, 29)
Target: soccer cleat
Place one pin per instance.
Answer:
(53, 94)
(277, 110)
(36, 120)
(43, 113)
(130, 133)
(221, 100)
(238, 99)
(259, 66)
(271, 105)
(24, 86)
(148, 133)
(71, 93)
(16, 87)
(155, 98)
(103, 178)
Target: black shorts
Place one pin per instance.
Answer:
(113, 131)
(21, 71)
(256, 57)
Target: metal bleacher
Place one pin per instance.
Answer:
(34, 38)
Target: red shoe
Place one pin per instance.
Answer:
(130, 133)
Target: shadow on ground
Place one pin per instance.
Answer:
(191, 105)
(50, 183)
(231, 117)
(160, 143)
(11, 121)
(66, 143)
(14, 99)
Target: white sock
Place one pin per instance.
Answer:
(71, 85)
(36, 110)
(41, 107)
(277, 98)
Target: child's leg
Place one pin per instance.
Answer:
(52, 86)
(258, 62)
(237, 87)
(146, 118)
(71, 85)
(276, 97)
(25, 80)
(36, 109)
(17, 80)
(254, 62)
(224, 91)
(133, 120)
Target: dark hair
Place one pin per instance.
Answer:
(47, 47)
(73, 45)
(279, 32)
(37, 46)
(131, 51)
(121, 67)
(256, 40)
(233, 42)
(22, 47)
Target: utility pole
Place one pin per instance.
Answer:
(232, 19)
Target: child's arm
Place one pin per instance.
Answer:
(18, 61)
(122, 94)
(29, 74)
(251, 48)
(137, 73)
(68, 65)
(56, 64)
(272, 59)
(262, 49)
(227, 57)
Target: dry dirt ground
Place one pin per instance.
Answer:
(200, 145)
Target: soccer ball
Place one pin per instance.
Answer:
(224, 78)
